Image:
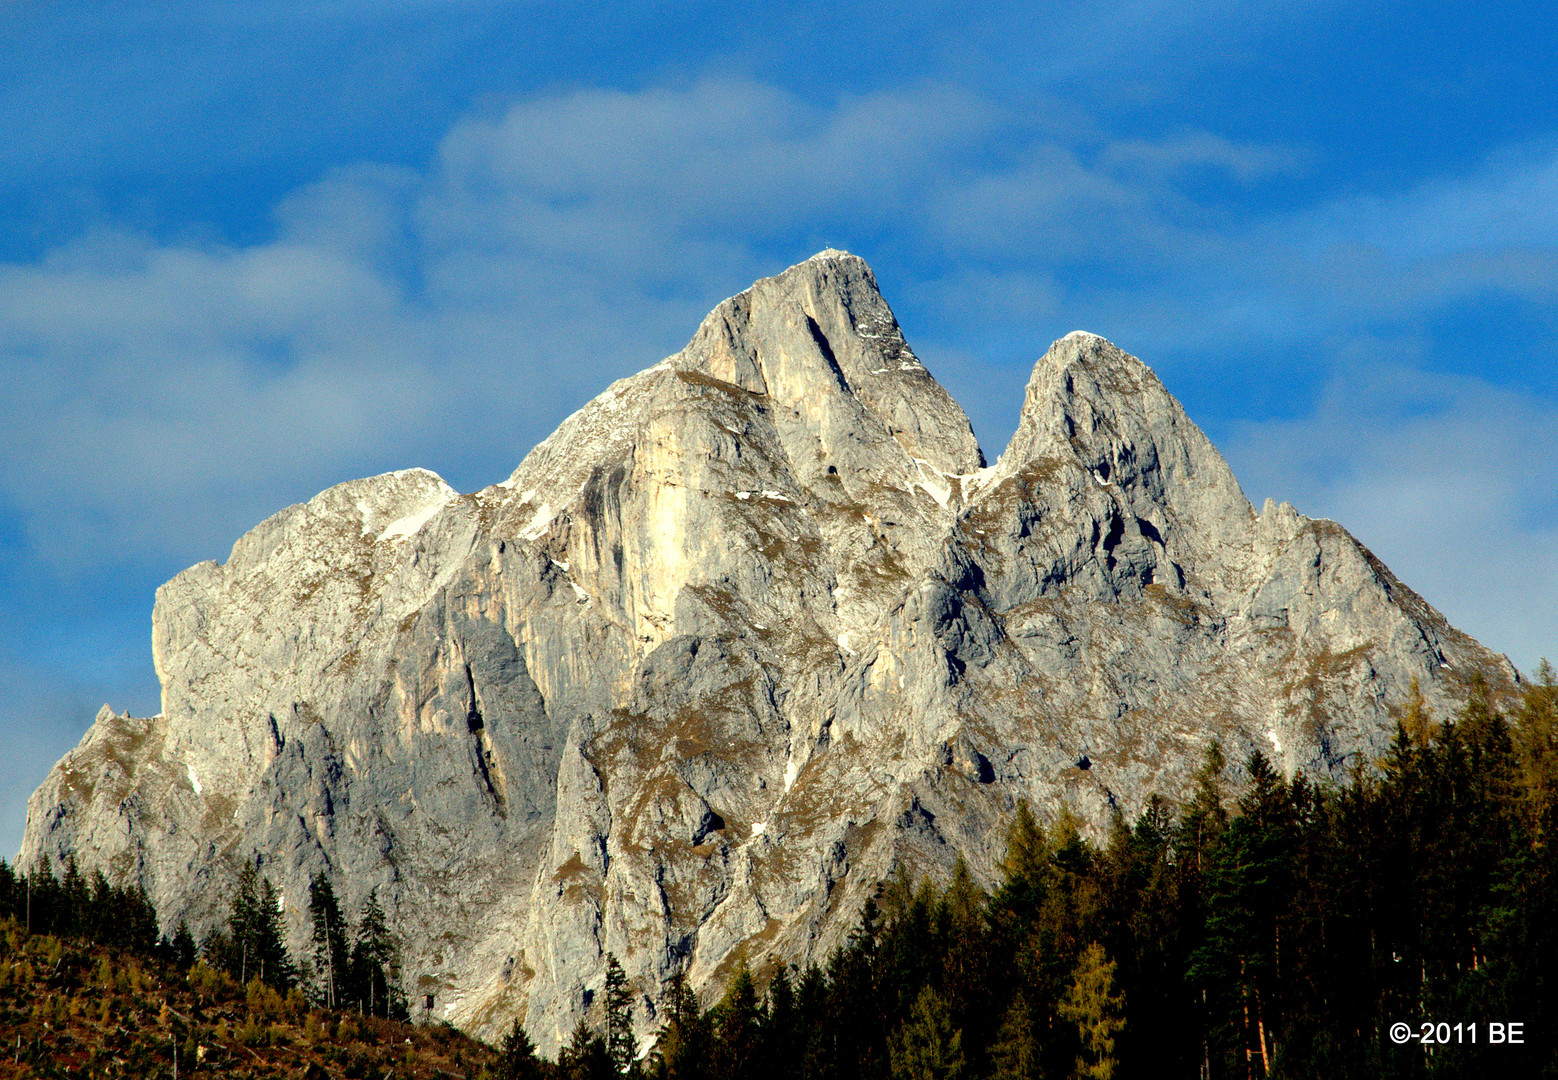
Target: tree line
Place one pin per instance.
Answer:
(75, 906)
(348, 968)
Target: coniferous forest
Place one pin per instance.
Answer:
(1276, 929)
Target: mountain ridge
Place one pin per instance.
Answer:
(751, 629)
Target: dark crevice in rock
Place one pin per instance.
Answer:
(827, 352)
(473, 717)
(711, 822)
(1116, 531)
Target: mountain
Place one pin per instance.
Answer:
(752, 629)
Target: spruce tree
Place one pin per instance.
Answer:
(8, 892)
(71, 913)
(184, 951)
(738, 1022)
(621, 1046)
(42, 894)
(517, 1058)
(275, 966)
(585, 1057)
(254, 946)
(332, 957)
(1205, 816)
(375, 964)
(685, 1044)
(782, 1037)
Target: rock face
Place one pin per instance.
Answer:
(748, 631)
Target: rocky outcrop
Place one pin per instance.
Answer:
(750, 630)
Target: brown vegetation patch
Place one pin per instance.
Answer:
(218, 815)
(1175, 605)
(571, 870)
(118, 750)
(750, 949)
(704, 381)
(994, 507)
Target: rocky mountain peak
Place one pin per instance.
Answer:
(824, 366)
(749, 632)
(1090, 402)
(820, 340)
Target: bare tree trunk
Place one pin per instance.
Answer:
(1260, 1024)
(1206, 1049)
(1244, 1003)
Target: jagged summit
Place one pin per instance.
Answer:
(752, 628)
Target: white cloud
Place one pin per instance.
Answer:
(1510, 201)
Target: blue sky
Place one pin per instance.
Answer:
(250, 250)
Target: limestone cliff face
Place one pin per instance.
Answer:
(749, 630)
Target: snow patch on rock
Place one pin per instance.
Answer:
(412, 523)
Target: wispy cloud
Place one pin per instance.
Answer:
(1510, 202)
(1202, 151)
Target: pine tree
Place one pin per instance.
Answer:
(1248, 881)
